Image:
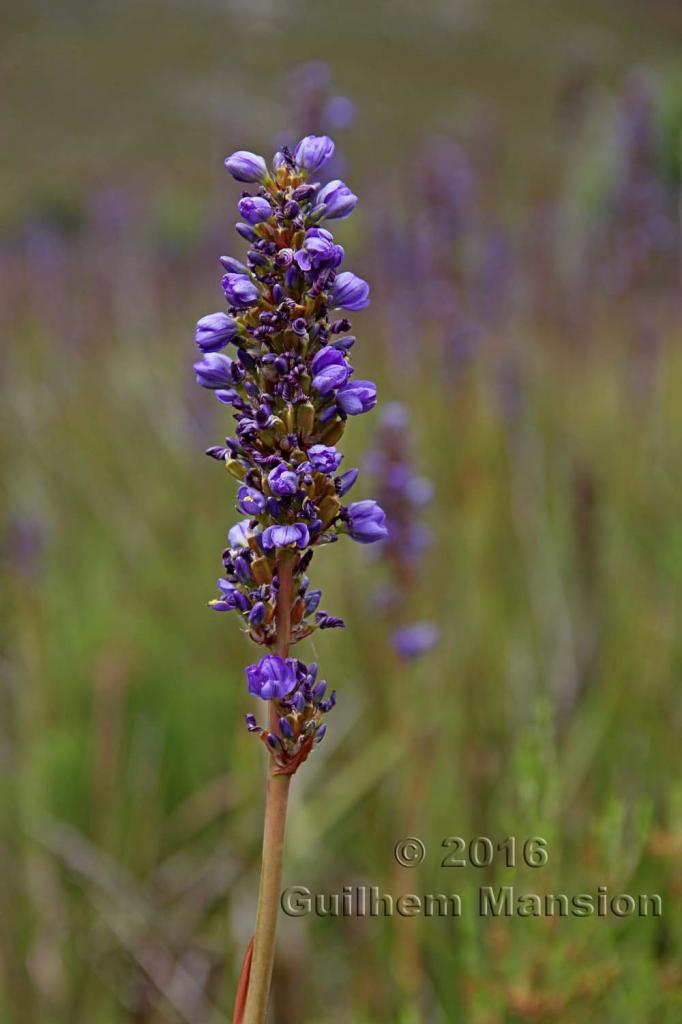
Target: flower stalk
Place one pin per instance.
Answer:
(274, 829)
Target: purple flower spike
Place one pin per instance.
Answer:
(215, 331)
(330, 370)
(411, 641)
(338, 200)
(366, 522)
(254, 210)
(350, 292)
(357, 397)
(324, 459)
(214, 371)
(313, 152)
(289, 387)
(283, 481)
(272, 678)
(245, 166)
(240, 290)
(295, 535)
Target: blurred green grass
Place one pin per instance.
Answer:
(130, 807)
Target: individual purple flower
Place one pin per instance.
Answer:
(214, 371)
(225, 603)
(349, 292)
(412, 641)
(245, 166)
(230, 598)
(366, 522)
(330, 370)
(312, 601)
(324, 458)
(254, 209)
(283, 481)
(238, 536)
(295, 534)
(313, 152)
(272, 678)
(250, 501)
(215, 331)
(303, 260)
(227, 396)
(338, 200)
(357, 396)
(323, 251)
(240, 290)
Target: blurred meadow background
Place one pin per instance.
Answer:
(518, 166)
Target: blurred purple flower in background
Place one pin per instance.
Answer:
(404, 494)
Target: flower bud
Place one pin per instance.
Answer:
(257, 614)
(214, 370)
(333, 432)
(313, 152)
(312, 601)
(305, 418)
(346, 481)
(240, 290)
(261, 570)
(233, 266)
(329, 509)
(366, 522)
(245, 166)
(357, 397)
(337, 199)
(214, 331)
(235, 468)
(254, 209)
(285, 728)
(350, 292)
(246, 232)
(304, 192)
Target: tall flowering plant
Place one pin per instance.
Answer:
(291, 387)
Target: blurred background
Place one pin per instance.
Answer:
(519, 173)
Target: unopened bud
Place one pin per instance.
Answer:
(305, 418)
(261, 570)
